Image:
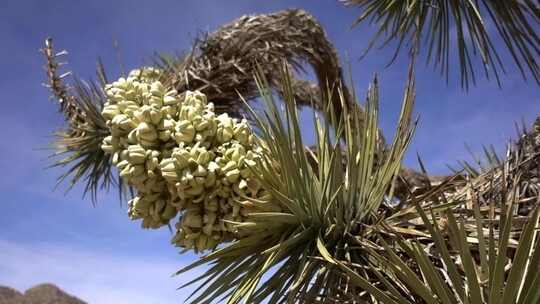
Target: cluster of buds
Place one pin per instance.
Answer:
(182, 158)
(138, 112)
(214, 188)
(209, 174)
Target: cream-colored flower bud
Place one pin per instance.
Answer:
(211, 205)
(155, 101)
(155, 116)
(200, 171)
(169, 111)
(242, 184)
(192, 219)
(147, 143)
(137, 170)
(168, 212)
(202, 125)
(108, 145)
(210, 180)
(126, 172)
(116, 97)
(137, 154)
(232, 175)
(201, 243)
(132, 137)
(238, 153)
(164, 135)
(121, 83)
(123, 142)
(209, 218)
(170, 98)
(186, 112)
(242, 132)
(249, 162)
(224, 192)
(167, 124)
(225, 121)
(109, 149)
(186, 177)
(198, 181)
(146, 132)
(124, 154)
(123, 164)
(231, 165)
(125, 104)
(194, 191)
(181, 158)
(123, 122)
(235, 207)
(157, 89)
(131, 94)
(115, 158)
(148, 114)
(152, 163)
(168, 169)
(109, 111)
(184, 132)
(188, 243)
(208, 229)
(224, 135)
(195, 97)
(204, 157)
(246, 173)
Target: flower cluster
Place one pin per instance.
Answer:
(137, 110)
(181, 158)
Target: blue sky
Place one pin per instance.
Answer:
(96, 252)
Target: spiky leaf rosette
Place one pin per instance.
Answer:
(487, 257)
(324, 205)
(459, 28)
(479, 240)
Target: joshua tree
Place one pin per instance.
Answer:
(340, 222)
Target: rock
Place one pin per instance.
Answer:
(39, 294)
(10, 296)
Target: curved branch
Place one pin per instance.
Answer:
(223, 63)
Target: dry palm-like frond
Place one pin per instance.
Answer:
(85, 129)
(279, 260)
(222, 63)
(463, 26)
